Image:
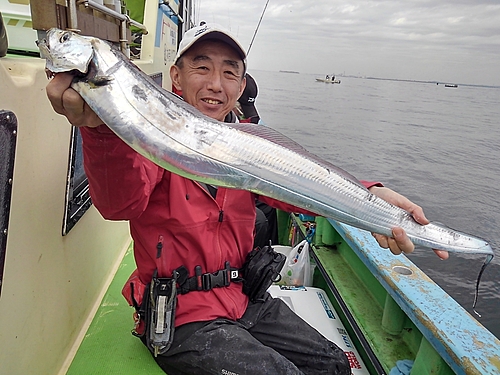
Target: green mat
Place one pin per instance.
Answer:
(109, 347)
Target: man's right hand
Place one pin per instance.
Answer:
(69, 103)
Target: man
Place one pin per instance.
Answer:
(178, 223)
(247, 101)
(267, 220)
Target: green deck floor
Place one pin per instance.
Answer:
(108, 347)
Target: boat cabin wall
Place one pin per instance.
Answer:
(165, 24)
(52, 284)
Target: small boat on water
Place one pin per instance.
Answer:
(451, 85)
(62, 266)
(327, 80)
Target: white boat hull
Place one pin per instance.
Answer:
(328, 80)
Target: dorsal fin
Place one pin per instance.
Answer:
(276, 137)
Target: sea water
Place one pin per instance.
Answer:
(438, 146)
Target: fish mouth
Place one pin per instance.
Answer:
(45, 54)
(78, 75)
(65, 51)
(50, 69)
(44, 48)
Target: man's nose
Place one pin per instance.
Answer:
(215, 82)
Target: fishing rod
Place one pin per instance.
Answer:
(257, 28)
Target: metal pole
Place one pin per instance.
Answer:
(72, 18)
(103, 9)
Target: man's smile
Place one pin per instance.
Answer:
(212, 101)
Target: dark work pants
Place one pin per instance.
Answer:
(269, 339)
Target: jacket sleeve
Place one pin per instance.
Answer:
(369, 184)
(120, 180)
(290, 208)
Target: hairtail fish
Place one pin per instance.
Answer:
(179, 138)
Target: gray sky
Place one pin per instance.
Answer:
(440, 40)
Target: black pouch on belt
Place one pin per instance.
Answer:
(163, 301)
(261, 268)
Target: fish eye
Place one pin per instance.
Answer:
(64, 37)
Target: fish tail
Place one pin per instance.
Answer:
(487, 261)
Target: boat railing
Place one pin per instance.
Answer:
(458, 338)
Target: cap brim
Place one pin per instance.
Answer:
(226, 39)
(218, 34)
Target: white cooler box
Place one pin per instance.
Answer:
(313, 305)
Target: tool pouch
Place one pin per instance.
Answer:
(161, 314)
(261, 268)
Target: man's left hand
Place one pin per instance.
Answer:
(399, 242)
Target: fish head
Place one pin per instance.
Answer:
(65, 51)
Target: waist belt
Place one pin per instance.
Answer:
(205, 281)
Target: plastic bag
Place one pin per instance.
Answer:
(297, 269)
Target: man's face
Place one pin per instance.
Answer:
(210, 75)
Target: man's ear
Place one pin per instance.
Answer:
(175, 77)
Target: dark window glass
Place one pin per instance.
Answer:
(8, 132)
(77, 188)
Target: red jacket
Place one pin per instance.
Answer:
(192, 227)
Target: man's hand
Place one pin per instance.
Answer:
(400, 242)
(69, 103)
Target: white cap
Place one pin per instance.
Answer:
(210, 31)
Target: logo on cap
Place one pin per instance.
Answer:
(201, 31)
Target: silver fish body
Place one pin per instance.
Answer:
(179, 138)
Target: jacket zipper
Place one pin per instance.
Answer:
(220, 220)
(222, 201)
(159, 246)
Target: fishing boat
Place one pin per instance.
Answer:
(62, 266)
(329, 80)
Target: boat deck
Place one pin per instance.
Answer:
(369, 311)
(408, 322)
(444, 338)
(108, 347)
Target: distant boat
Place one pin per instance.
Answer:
(450, 85)
(289, 71)
(328, 80)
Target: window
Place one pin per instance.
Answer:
(8, 132)
(77, 186)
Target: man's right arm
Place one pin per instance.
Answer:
(69, 103)
(120, 180)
